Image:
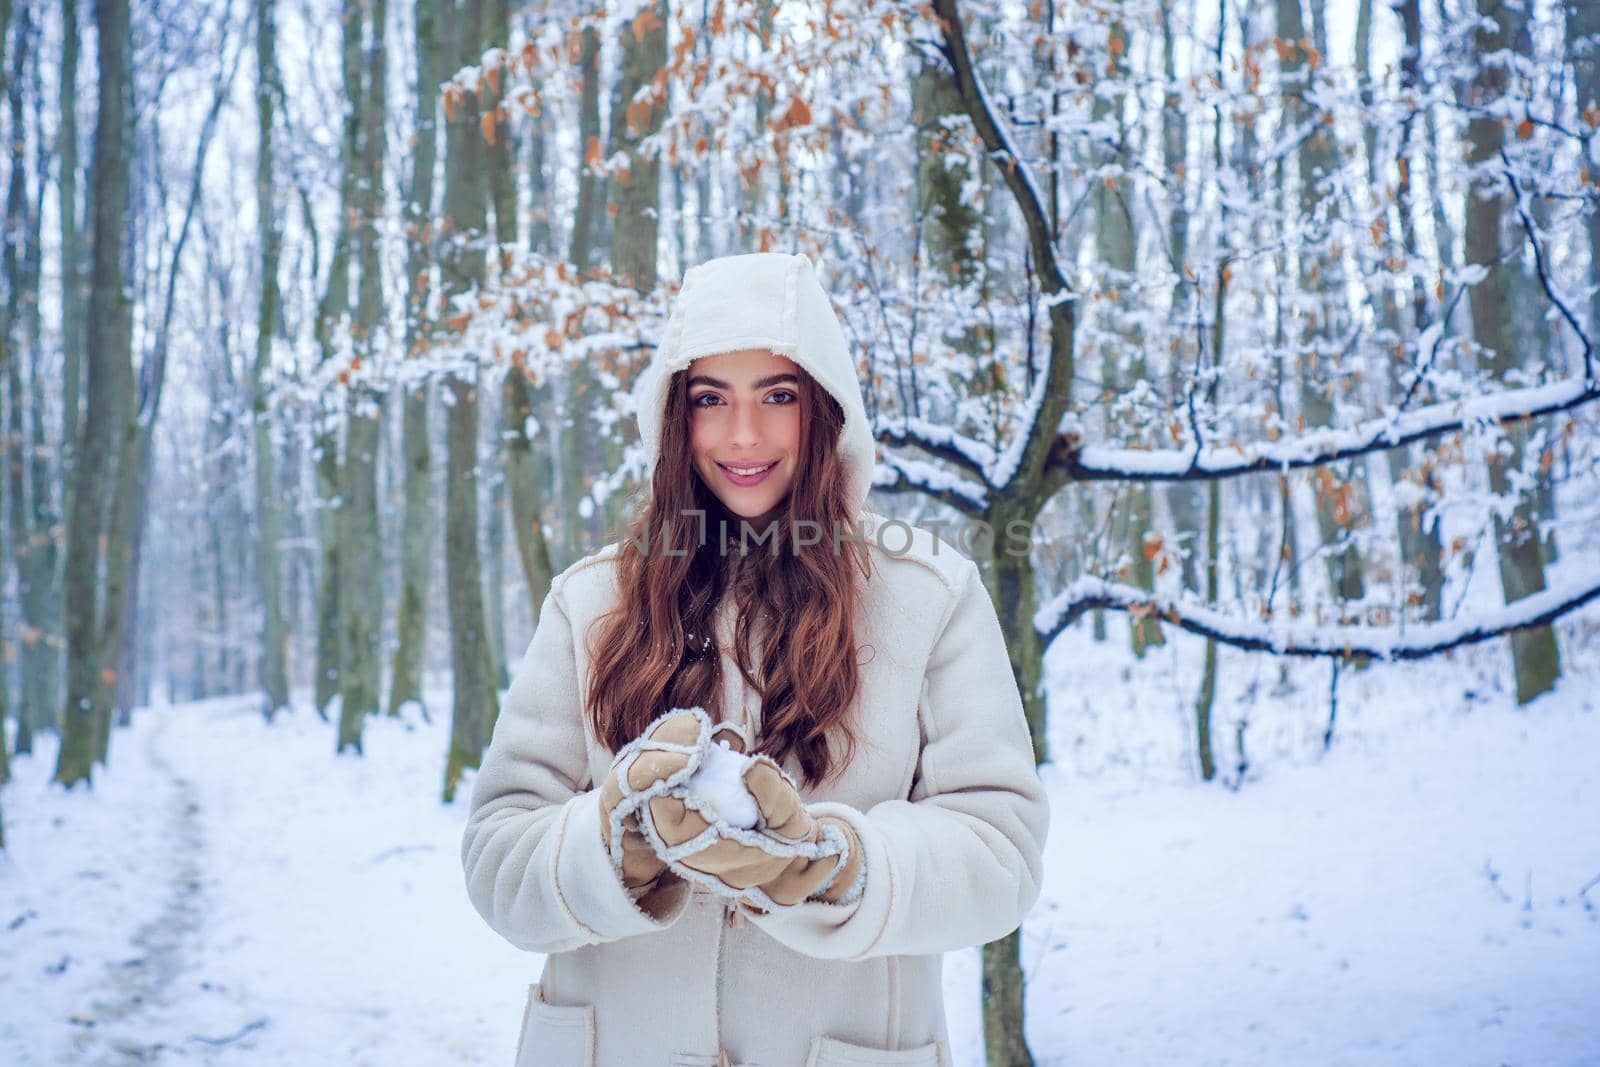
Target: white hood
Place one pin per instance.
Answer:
(763, 300)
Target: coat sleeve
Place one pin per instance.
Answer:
(536, 866)
(959, 862)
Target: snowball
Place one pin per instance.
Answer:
(719, 782)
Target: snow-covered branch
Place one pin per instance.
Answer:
(896, 474)
(973, 457)
(1318, 447)
(1306, 637)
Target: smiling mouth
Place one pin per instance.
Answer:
(747, 471)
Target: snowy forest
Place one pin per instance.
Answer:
(1272, 322)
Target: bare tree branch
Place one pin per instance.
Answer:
(1309, 637)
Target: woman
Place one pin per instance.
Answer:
(871, 669)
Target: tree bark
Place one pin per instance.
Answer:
(9, 356)
(109, 388)
(72, 280)
(273, 666)
(577, 385)
(360, 543)
(1535, 655)
(1421, 548)
(1583, 52)
(526, 466)
(476, 704)
(637, 111)
(1341, 494)
(417, 537)
(335, 303)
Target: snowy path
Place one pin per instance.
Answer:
(233, 894)
(165, 943)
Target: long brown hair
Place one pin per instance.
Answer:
(656, 649)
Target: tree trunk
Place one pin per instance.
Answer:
(1011, 584)
(1340, 491)
(334, 305)
(416, 549)
(1116, 249)
(476, 705)
(1534, 652)
(1208, 679)
(109, 387)
(500, 155)
(750, 185)
(360, 540)
(43, 642)
(1183, 499)
(273, 667)
(577, 386)
(1421, 550)
(123, 538)
(9, 354)
(1583, 52)
(527, 467)
(637, 112)
(72, 280)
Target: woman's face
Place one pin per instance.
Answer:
(744, 415)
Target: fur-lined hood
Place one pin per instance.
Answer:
(766, 300)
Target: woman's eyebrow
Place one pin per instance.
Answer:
(760, 383)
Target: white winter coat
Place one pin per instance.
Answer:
(942, 790)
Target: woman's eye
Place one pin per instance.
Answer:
(706, 400)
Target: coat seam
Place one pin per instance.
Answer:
(555, 877)
(925, 706)
(888, 911)
(952, 586)
(716, 989)
(893, 1036)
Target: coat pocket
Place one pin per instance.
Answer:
(832, 1052)
(555, 1035)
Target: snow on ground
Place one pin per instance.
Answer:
(310, 909)
(231, 893)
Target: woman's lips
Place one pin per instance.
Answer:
(745, 481)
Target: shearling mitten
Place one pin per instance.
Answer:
(636, 861)
(835, 878)
(737, 825)
(664, 755)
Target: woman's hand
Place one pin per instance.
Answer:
(643, 766)
(788, 857)
(638, 864)
(784, 813)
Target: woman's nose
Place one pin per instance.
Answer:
(746, 425)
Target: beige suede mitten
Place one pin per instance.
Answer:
(636, 861)
(779, 858)
(830, 877)
(666, 754)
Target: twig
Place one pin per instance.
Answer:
(1583, 893)
(1494, 882)
(230, 1038)
(1543, 270)
(1333, 704)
